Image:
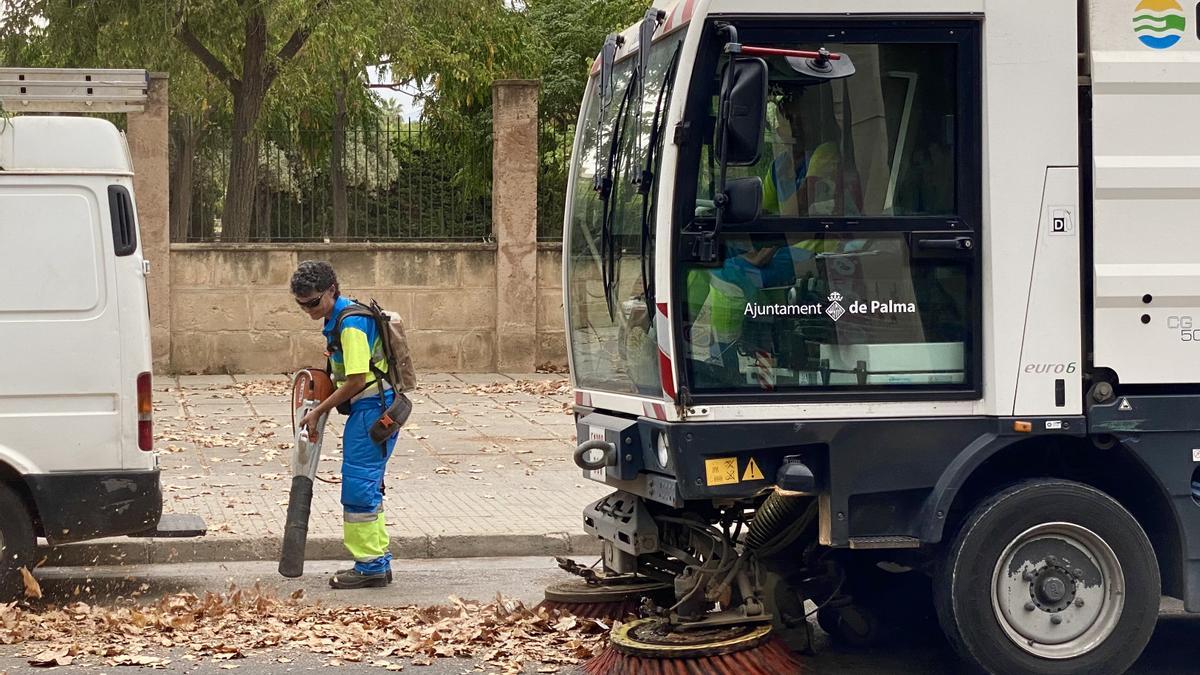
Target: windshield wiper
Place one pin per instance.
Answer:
(608, 243)
(646, 180)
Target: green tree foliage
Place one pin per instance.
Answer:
(570, 34)
(252, 79)
(107, 34)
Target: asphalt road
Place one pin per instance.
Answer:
(1175, 647)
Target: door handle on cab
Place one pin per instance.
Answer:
(942, 245)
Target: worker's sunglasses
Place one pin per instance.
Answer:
(312, 302)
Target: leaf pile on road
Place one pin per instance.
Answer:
(505, 634)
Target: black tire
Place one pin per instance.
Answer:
(850, 625)
(963, 584)
(16, 543)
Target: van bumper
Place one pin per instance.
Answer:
(81, 505)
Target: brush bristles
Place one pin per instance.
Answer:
(769, 658)
(594, 610)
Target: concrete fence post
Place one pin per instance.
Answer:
(148, 143)
(514, 221)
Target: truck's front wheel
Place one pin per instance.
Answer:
(16, 543)
(1049, 576)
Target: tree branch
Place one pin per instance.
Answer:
(295, 43)
(215, 66)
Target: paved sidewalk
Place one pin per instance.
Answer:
(482, 468)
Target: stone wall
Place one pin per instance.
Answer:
(551, 340)
(231, 310)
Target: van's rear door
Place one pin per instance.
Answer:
(62, 391)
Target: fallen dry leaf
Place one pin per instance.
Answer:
(532, 387)
(139, 660)
(32, 588)
(504, 634)
(55, 656)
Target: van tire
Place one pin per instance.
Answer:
(1013, 569)
(16, 543)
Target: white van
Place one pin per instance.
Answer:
(77, 457)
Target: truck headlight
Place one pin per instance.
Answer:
(663, 450)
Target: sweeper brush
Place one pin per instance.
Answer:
(611, 599)
(653, 647)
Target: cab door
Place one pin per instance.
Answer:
(860, 277)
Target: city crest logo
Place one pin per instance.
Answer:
(835, 309)
(1159, 24)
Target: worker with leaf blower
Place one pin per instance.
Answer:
(360, 346)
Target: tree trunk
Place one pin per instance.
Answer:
(341, 215)
(262, 211)
(243, 153)
(186, 134)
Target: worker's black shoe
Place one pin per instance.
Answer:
(352, 578)
(353, 571)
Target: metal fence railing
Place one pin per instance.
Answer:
(554, 146)
(402, 182)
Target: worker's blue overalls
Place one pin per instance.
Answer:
(363, 462)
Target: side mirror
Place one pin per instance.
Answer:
(744, 197)
(743, 111)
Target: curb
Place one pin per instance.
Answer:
(120, 551)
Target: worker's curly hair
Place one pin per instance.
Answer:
(314, 276)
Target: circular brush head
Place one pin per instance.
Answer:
(654, 647)
(614, 599)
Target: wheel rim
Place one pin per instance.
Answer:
(1058, 590)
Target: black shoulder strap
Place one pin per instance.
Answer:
(356, 308)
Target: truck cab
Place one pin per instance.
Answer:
(876, 291)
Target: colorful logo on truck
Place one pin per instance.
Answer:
(1159, 24)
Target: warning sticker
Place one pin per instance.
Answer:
(721, 471)
(752, 471)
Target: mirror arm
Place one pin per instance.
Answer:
(708, 247)
(732, 46)
(708, 243)
(820, 56)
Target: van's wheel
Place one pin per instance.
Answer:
(1049, 576)
(16, 543)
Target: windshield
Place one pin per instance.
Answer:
(613, 342)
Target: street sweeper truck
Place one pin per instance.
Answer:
(875, 308)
